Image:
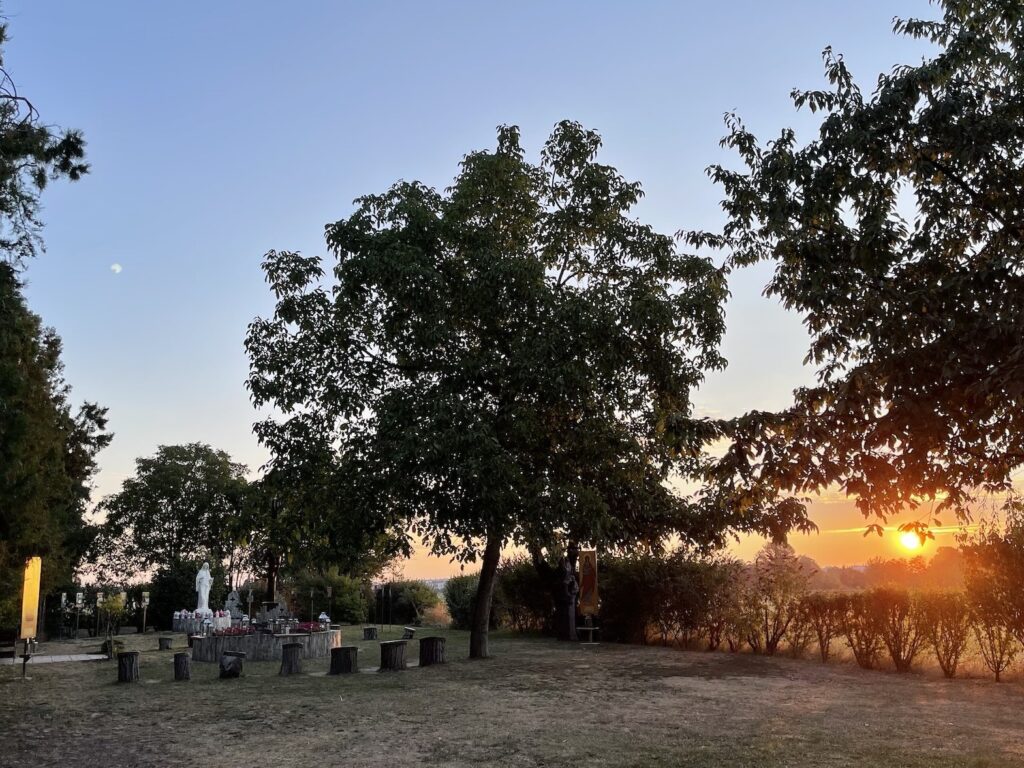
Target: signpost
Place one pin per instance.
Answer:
(588, 592)
(79, 602)
(145, 605)
(30, 607)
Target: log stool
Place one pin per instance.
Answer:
(231, 664)
(392, 655)
(128, 667)
(182, 666)
(432, 651)
(369, 633)
(165, 643)
(344, 660)
(291, 658)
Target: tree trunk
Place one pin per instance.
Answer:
(561, 582)
(344, 660)
(128, 667)
(291, 659)
(481, 620)
(165, 643)
(272, 567)
(182, 666)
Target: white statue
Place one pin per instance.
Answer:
(203, 582)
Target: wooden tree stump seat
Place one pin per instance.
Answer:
(182, 666)
(432, 651)
(392, 655)
(165, 643)
(291, 659)
(128, 667)
(369, 633)
(408, 633)
(231, 664)
(344, 660)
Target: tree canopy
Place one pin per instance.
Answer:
(47, 452)
(500, 362)
(896, 233)
(183, 503)
(33, 153)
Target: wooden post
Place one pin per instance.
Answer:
(344, 660)
(291, 659)
(408, 633)
(369, 633)
(231, 664)
(128, 667)
(182, 666)
(432, 651)
(165, 643)
(392, 655)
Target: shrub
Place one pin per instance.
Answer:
(992, 629)
(823, 612)
(947, 618)
(174, 588)
(459, 596)
(778, 581)
(523, 601)
(858, 626)
(346, 605)
(403, 602)
(631, 597)
(899, 620)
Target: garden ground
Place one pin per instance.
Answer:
(536, 703)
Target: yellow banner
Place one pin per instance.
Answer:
(588, 582)
(30, 598)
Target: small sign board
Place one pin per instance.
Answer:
(30, 598)
(145, 598)
(588, 582)
(80, 599)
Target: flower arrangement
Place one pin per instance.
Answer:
(233, 631)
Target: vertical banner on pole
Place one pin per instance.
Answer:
(588, 582)
(30, 598)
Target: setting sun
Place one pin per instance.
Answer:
(910, 540)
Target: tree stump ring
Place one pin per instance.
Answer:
(128, 667)
(291, 659)
(231, 664)
(432, 651)
(182, 666)
(344, 660)
(392, 655)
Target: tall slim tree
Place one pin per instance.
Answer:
(897, 234)
(47, 451)
(502, 361)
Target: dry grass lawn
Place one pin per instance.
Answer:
(537, 703)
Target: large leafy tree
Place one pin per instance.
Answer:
(897, 234)
(501, 362)
(302, 516)
(47, 452)
(184, 503)
(47, 449)
(33, 153)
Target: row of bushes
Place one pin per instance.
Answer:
(767, 606)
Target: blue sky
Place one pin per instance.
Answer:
(217, 131)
